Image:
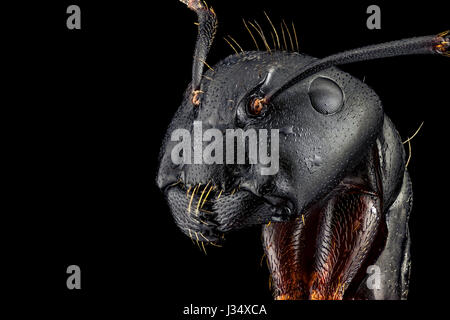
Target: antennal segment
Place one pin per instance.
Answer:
(434, 44)
(207, 27)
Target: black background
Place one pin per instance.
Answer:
(91, 108)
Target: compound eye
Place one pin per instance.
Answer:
(326, 96)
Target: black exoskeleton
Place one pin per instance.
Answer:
(337, 205)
